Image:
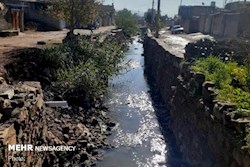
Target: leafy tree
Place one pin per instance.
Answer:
(75, 11)
(150, 16)
(151, 19)
(127, 21)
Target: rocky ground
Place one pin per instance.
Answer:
(25, 118)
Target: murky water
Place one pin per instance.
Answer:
(139, 138)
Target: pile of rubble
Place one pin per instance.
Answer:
(25, 119)
(237, 50)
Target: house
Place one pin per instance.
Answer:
(106, 15)
(36, 13)
(3, 22)
(21, 11)
(190, 16)
(232, 21)
(12, 16)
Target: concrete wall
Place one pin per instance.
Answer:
(217, 24)
(202, 23)
(207, 26)
(52, 24)
(186, 25)
(206, 131)
(4, 25)
(231, 25)
(222, 24)
(244, 25)
(233, 22)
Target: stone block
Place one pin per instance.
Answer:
(240, 124)
(40, 102)
(209, 94)
(30, 89)
(2, 80)
(8, 94)
(208, 84)
(220, 109)
(24, 114)
(33, 84)
(199, 78)
(5, 103)
(8, 134)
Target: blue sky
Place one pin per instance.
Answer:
(169, 7)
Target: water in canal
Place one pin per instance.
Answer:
(139, 139)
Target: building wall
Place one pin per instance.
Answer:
(3, 23)
(191, 16)
(207, 26)
(202, 23)
(231, 25)
(190, 11)
(33, 14)
(233, 21)
(217, 25)
(244, 25)
(107, 15)
(186, 25)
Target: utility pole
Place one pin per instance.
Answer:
(152, 15)
(225, 2)
(158, 18)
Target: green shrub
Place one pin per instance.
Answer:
(230, 79)
(85, 66)
(235, 95)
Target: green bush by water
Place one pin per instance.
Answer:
(84, 66)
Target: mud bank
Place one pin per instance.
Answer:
(207, 132)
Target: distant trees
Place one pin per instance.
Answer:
(127, 21)
(75, 11)
(150, 18)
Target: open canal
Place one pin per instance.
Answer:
(141, 137)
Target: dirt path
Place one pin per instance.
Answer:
(9, 46)
(176, 43)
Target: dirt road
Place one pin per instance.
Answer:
(176, 43)
(30, 39)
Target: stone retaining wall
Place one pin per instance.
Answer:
(209, 133)
(22, 121)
